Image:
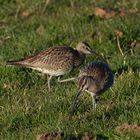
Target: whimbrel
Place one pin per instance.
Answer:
(56, 61)
(94, 78)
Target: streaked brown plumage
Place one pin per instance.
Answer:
(56, 61)
(94, 78)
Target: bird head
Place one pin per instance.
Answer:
(84, 83)
(87, 83)
(84, 48)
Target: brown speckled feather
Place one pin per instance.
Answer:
(56, 61)
(100, 72)
(96, 70)
(54, 58)
(94, 78)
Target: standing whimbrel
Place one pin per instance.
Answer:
(56, 61)
(94, 78)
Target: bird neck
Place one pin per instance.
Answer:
(79, 59)
(82, 55)
(88, 83)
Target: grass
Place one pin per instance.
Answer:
(27, 109)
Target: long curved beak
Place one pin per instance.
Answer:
(73, 107)
(101, 57)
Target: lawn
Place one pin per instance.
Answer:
(28, 109)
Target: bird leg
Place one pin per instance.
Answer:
(94, 101)
(74, 103)
(49, 79)
(66, 80)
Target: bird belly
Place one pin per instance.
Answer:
(53, 72)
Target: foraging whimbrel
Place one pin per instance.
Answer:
(94, 78)
(56, 61)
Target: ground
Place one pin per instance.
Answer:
(26, 107)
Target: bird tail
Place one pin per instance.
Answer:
(15, 63)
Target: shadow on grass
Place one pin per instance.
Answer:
(135, 69)
(61, 136)
(85, 137)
